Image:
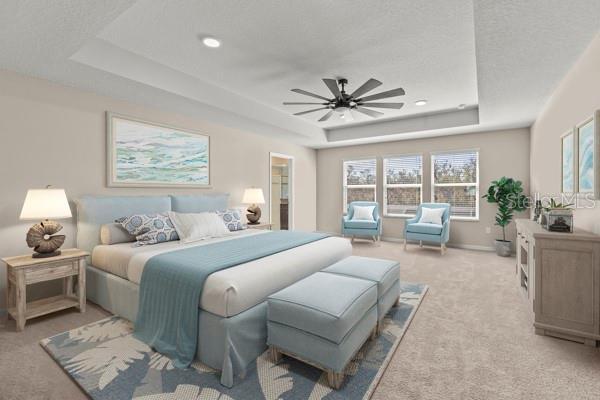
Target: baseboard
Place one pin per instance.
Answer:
(452, 245)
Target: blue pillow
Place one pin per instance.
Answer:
(232, 219)
(149, 228)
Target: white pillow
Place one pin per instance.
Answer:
(200, 226)
(363, 213)
(114, 233)
(431, 215)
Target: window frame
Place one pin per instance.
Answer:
(400, 185)
(476, 184)
(345, 185)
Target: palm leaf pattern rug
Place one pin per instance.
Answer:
(109, 363)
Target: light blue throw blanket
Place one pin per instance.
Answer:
(172, 284)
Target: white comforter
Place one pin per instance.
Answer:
(230, 291)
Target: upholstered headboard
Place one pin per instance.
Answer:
(94, 211)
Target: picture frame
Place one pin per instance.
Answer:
(587, 140)
(141, 153)
(568, 179)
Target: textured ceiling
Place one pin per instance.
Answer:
(503, 58)
(272, 46)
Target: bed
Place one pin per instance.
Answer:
(232, 308)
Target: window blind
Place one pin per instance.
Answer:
(455, 180)
(402, 184)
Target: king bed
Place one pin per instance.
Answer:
(232, 316)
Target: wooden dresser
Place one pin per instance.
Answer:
(560, 275)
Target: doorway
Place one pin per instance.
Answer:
(281, 191)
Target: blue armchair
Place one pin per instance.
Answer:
(433, 233)
(371, 229)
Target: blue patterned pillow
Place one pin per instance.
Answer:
(232, 219)
(149, 228)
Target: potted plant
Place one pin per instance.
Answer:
(508, 194)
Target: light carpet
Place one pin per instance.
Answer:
(109, 363)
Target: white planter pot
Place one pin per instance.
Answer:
(503, 247)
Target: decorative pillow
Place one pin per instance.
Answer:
(363, 213)
(232, 219)
(149, 228)
(431, 215)
(114, 233)
(200, 226)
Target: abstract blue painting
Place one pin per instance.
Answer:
(586, 134)
(150, 155)
(567, 163)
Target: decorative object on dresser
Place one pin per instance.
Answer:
(508, 194)
(25, 270)
(147, 154)
(44, 204)
(253, 197)
(560, 274)
(557, 217)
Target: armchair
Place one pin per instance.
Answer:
(371, 229)
(425, 232)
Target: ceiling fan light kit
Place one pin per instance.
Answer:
(343, 102)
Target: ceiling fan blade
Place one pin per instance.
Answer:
(333, 87)
(366, 87)
(397, 106)
(304, 92)
(383, 95)
(326, 116)
(370, 113)
(291, 103)
(309, 111)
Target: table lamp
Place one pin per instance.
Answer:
(44, 204)
(253, 196)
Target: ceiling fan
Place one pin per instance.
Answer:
(342, 102)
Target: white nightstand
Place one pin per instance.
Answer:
(25, 270)
(262, 225)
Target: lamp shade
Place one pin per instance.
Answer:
(253, 196)
(46, 204)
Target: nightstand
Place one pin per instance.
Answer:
(261, 225)
(22, 271)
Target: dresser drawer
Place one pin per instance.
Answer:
(50, 272)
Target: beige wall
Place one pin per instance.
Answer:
(574, 100)
(51, 134)
(500, 153)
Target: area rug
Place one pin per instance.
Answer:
(109, 363)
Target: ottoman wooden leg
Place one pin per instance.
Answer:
(376, 330)
(335, 379)
(275, 354)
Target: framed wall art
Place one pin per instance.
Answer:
(147, 154)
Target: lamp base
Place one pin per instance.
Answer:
(46, 255)
(254, 214)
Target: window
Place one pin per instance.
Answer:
(402, 184)
(360, 178)
(455, 180)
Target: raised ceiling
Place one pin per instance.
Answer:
(501, 58)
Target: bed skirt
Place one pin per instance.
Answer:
(225, 344)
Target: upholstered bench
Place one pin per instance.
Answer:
(385, 273)
(322, 320)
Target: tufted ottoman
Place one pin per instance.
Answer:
(385, 273)
(322, 320)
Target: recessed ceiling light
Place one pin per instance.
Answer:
(211, 42)
(461, 106)
(420, 102)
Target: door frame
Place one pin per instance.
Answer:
(291, 184)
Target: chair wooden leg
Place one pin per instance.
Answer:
(275, 354)
(420, 243)
(443, 249)
(404, 243)
(352, 240)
